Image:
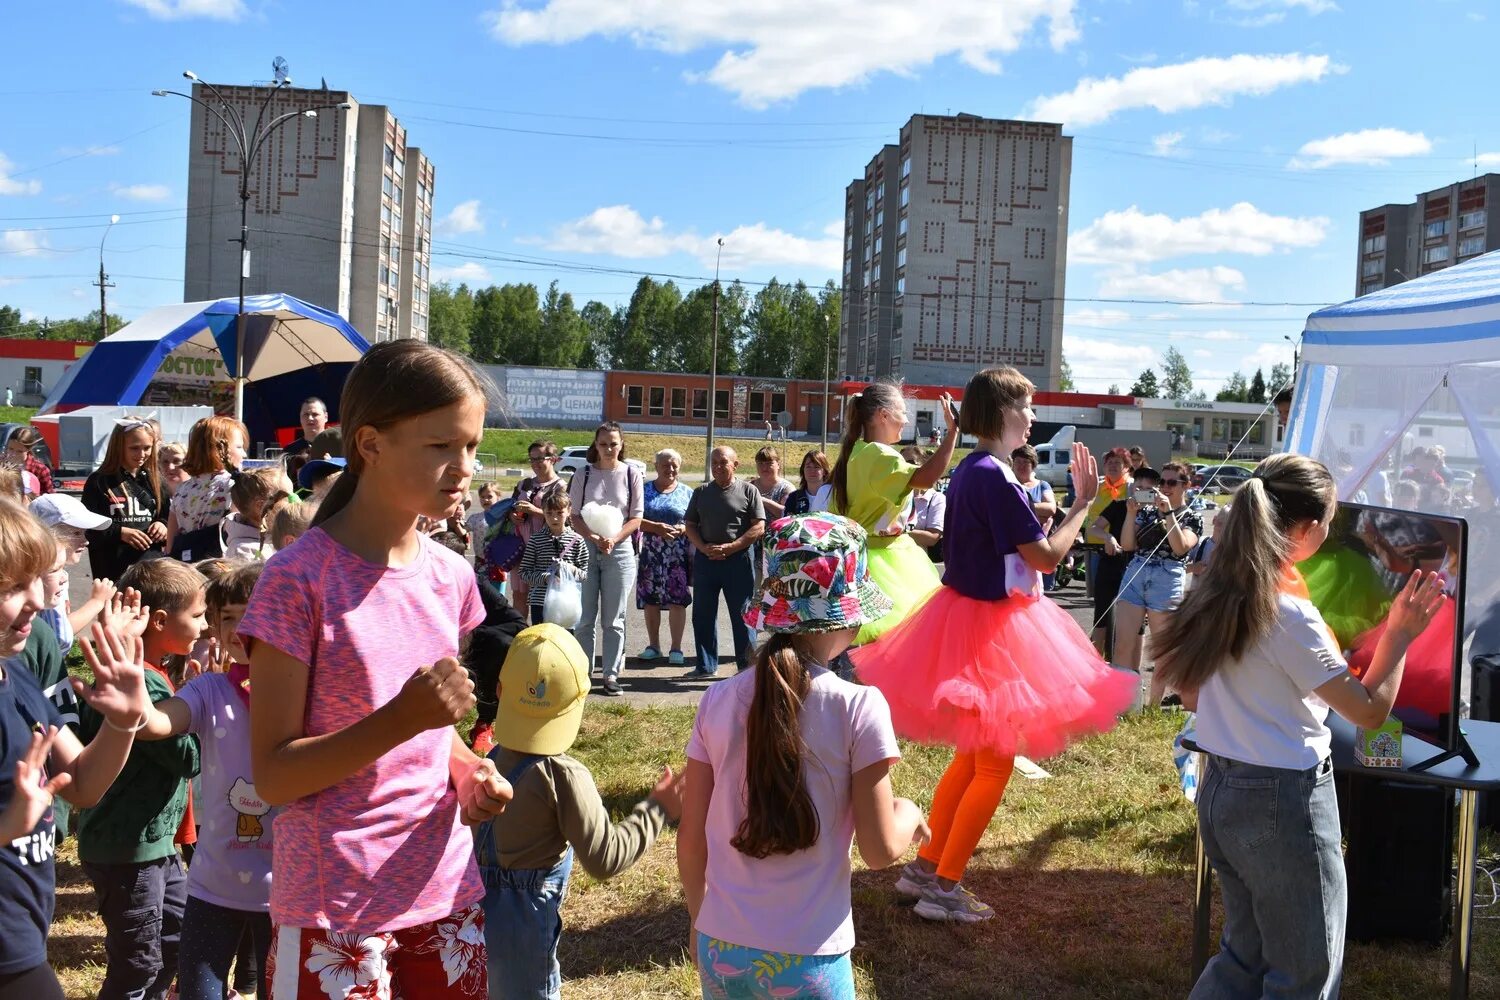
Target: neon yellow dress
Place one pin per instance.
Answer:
(880, 499)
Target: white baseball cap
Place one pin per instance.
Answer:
(60, 508)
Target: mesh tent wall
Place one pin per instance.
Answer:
(1408, 368)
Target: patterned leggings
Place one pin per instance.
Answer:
(732, 972)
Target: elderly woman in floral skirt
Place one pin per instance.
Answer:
(665, 576)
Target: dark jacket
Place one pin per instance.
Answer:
(137, 818)
(127, 500)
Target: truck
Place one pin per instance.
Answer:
(1054, 457)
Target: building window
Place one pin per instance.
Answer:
(867, 252)
(721, 404)
(879, 218)
(1375, 244)
(387, 185)
(31, 380)
(390, 156)
(906, 167)
(1435, 230)
(877, 272)
(1472, 220)
(778, 403)
(1375, 265)
(700, 404)
(633, 396)
(1470, 245)
(901, 285)
(679, 402)
(757, 407)
(1356, 435)
(901, 226)
(1434, 255)
(905, 196)
(658, 399)
(901, 257)
(849, 241)
(1424, 432)
(385, 214)
(878, 242)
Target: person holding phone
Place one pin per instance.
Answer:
(1160, 530)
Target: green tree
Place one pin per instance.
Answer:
(599, 322)
(1234, 389)
(649, 319)
(1065, 377)
(1146, 386)
(486, 332)
(1281, 378)
(1257, 390)
(1177, 378)
(519, 310)
(563, 331)
(10, 321)
(771, 335)
(450, 314)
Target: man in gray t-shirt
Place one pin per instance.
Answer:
(725, 518)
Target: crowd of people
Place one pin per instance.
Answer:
(277, 670)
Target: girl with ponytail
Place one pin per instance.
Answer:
(777, 808)
(354, 634)
(873, 485)
(1250, 652)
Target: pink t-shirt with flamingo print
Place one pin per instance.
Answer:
(384, 849)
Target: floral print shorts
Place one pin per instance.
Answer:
(445, 958)
(731, 971)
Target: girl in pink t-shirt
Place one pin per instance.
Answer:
(354, 634)
(787, 763)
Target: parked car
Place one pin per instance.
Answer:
(571, 460)
(1225, 478)
(1052, 463)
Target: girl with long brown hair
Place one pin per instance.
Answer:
(1248, 650)
(873, 485)
(126, 488)
(787, 766)
(217, 447)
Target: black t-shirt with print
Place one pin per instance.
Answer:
(1151, 533)
(28, 881)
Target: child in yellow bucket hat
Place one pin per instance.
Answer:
(526, 854)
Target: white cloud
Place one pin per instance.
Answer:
(1372, 146)
(9, 185)
(1311, 6)
(1180, 87)
(89, 151)
(1166, 144)
(1096, 317)
(464, 218)
(1096, 362)
(1143, 59)
(773, 52)
(181, 10)
(621, 231)
(22, 243)
(142, 192)
(1194, 284)
(469, 273)
(1132, 236)
(1487, 160)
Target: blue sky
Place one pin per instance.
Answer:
(1223, 148)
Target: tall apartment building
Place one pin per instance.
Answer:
(1398, 242)
(340, 210)
(955, 244)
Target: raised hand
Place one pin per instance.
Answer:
(31, 797)
(436, 696)
(119, 690)
(1085, 470)
(1416, 605)
(126, 614)
(102, 591)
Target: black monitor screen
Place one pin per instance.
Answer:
(1353, 579)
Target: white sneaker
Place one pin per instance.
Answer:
(914, 880)
(957, 904)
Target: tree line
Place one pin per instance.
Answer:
(85, 328)
(1176, 382)
(780, 331)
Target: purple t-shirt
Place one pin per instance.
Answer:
(232, 866)
(989, 518)
(795, 903)
(384, 849)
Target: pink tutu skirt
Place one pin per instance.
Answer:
(1012, 676)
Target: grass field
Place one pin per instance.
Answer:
(1090, 871)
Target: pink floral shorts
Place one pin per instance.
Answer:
(445, 959)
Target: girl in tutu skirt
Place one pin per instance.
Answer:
(873, 485)
(987, 664)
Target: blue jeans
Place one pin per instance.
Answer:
(735, 579)
(1154, 584)
(724, 973)
(210, 939)
(1272, 835)
(141, 904)
(522, 925)
(610, 581)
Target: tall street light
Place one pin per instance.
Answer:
(104, 281)
(713, 371)
(248, 141)
(827, 353)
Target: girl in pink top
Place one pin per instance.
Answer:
(354, 634)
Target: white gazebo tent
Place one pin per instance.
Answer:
(1411, 366)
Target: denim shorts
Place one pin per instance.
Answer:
(522, 926)
(1154, 584)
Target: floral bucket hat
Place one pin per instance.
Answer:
(816, 578)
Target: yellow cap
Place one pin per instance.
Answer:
(543, 685)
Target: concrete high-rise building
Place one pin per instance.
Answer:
(340, 210)
(955, 244)
(1397, 242)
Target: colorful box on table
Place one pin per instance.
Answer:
(1379, 747)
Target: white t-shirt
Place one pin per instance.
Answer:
(1261, 710)
(818, 502)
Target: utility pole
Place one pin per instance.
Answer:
(713, 373)
(104, 282)
(827, 352)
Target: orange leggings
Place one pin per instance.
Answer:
(962, 807)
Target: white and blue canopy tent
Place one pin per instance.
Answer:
(1411, 366)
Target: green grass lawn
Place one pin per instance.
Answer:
(1090, 871)
(16, 414)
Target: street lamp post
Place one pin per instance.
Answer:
(827, 354)
(248, 142)
(713, 371)
(104, 281)
(1296, 354)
